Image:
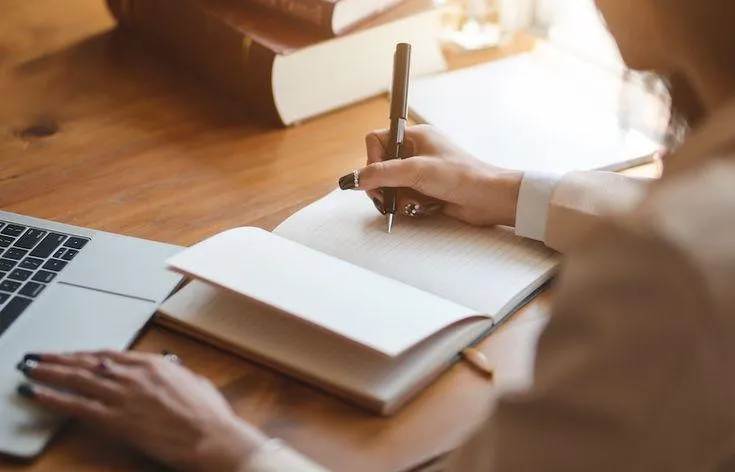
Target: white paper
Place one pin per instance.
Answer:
(489, 270)
(367, 308)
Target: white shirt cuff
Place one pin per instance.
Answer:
(275, 456)
(534, 198)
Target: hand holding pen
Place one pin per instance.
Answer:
(416, 171)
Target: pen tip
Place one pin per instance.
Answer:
(390, 222)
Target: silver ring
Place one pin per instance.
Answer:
(171, 357)
(411, 209)
(356, 177)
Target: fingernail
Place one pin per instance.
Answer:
(379, 205)
(26, 366)
(411, 209)
(26, 391)
(347, 182)
(32, 357)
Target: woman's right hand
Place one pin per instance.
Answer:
(438, 177)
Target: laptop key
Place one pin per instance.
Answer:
(76, 243)
(9, 286)
(30, 238)
(7, 265)
(12, 311)
(4, 297)
(54, 264)
(69, 254)
(43, 276)
(32, 289)
(60, 252)
(20, 274)
(6, 241)
(49, 244)
(31, 263)
(15, 253)
(13, 230)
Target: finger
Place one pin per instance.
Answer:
(77, 359)
(409, 173)
(376, 145)
(66, 403)
(378, 142)
(77, 379)
(119, 357)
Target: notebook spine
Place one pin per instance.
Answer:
(225, 57)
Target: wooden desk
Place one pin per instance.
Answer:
(97, 131)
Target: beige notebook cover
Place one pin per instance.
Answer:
(332, 299)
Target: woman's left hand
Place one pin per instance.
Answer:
(161, 408)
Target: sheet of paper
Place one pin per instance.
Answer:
(322, 356)
(523, 113)
(486, 269)
(367, 308)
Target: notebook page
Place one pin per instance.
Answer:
(319, 289)
(319, 355)
(486, 269)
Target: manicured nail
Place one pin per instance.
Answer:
(411, 209)
(347, 182)
(379, 205)
(32, 357)
(27, 366)
(26, 391)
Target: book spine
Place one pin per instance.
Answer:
(226, 58)
(313, 12)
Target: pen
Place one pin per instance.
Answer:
(398, 115)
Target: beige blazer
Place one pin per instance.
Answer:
(636, 368)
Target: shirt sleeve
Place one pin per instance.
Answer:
(276, 456)
(534, 198)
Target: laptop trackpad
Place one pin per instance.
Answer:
(123, 265)
(65, 318)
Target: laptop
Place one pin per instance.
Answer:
(64, 288)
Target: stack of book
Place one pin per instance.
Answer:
(289, 60)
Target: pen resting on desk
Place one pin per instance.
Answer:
(334, 300)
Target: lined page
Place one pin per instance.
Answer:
(487, 269)
(367, 308)
(265, 333)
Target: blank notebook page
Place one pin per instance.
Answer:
(335, 361)
(320, 289)
(486, 269)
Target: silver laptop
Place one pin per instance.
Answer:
(64, 288)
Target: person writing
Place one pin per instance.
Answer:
(636, 367)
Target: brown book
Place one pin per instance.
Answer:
(284, 74)
(332, 17)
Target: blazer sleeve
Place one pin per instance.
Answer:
(618, 378)
(581, 198)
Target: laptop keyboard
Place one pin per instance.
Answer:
(30, 258)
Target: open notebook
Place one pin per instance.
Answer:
(329, 297)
